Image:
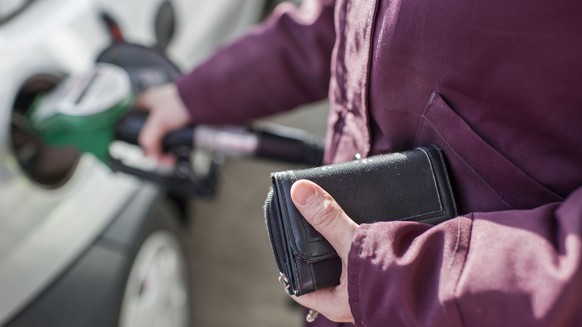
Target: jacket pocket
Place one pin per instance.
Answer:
(483, 179)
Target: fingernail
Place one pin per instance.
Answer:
(303, 193)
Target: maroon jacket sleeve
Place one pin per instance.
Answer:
(279, 65)
(512, 268)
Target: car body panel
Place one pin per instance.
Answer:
(104, 264)
(45, 230)
(38, 257)
(201, 25)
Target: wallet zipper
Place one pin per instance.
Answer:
(268, 204)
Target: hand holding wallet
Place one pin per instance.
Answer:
(411, 185)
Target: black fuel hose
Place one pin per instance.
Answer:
(293, 146)
(275, 143)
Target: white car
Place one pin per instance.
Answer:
(80, 245)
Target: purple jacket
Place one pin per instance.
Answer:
(496, 84)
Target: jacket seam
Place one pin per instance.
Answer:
(457, 282)
(467, 164)
(357, 272)
(421, 120)
(366, 102)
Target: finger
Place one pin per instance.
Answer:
(142, 102)
(167, 160)
(316, 300)
(325, 302)
(325, 215)
(151, 135)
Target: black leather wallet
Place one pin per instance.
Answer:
(412, 185)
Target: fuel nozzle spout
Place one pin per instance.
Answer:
(83, 110)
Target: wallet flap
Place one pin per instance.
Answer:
(409, 185)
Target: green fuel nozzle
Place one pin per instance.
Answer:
(90, 110)
(83, 110)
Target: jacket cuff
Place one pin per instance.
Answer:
(183, 87)
(407, 271)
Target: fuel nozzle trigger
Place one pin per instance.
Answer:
(183, 179)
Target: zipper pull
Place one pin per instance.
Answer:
(284, 282)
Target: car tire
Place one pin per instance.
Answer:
(157, 287)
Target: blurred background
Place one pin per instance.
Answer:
(234, 273)
(81, 245)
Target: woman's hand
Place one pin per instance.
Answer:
(167, 113)
(326, 216)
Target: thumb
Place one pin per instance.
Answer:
(325, 215)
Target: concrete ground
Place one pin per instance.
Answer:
(234, 275)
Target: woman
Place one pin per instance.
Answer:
(496, 84)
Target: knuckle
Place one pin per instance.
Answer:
(325, 214)
(147, 143)
(145, 140)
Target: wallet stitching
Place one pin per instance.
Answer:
(443, 212)
(434, 176)
(297, 275)
(313, 279)
(447, 181)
